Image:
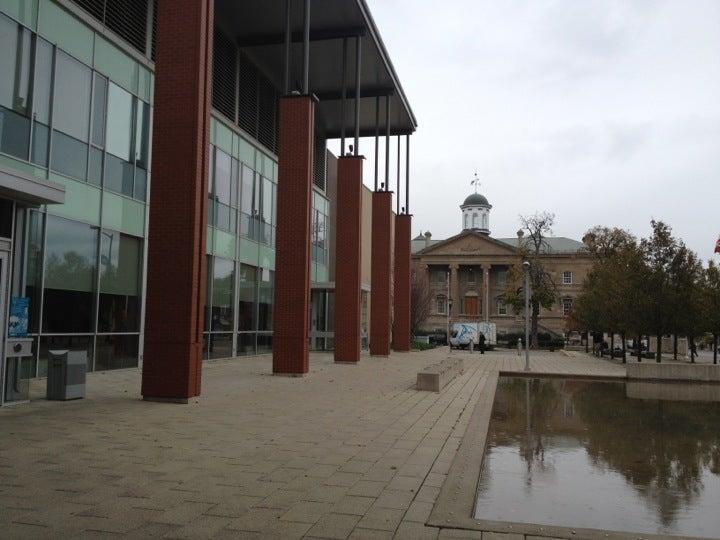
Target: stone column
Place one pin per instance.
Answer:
(381, 270)
(172, 362)
(347, 259)
(291, 320)
(454, 289)
(486, 292)
(401, 289)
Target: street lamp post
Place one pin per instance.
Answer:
(526, 271)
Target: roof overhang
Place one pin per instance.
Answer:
(28, 190)
(259, 27)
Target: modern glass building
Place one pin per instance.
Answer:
(77, 86)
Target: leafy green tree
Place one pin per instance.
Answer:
(610, 299)
(532, 245)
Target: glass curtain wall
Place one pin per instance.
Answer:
(83, 277)
(84, 286)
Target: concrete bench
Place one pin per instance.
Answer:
(437, 376)
(674, 372)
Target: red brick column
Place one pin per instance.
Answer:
(401, 290)
(291, 322)
(172, 360)
(347, 259)
(380, 272)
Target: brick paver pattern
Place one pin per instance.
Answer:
(349, 451)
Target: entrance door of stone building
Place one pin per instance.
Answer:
(471, 305)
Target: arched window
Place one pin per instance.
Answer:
(475, 220)
(465, 223)
(485, 221)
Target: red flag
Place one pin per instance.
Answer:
(717, 245)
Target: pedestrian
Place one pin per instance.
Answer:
(693, 351)
(481, 342)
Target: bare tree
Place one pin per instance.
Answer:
(532, 244)
(421, 299)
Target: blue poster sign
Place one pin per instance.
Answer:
(19, 311)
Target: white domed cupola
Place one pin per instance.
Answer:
(476, 213)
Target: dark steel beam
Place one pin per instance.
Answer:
(350, 94)
(288, 32)
(377, 136)
(343, 96)
(298, 37)
(387, 144)
(358, 65)
(306, 49)
(407, 174)
(397, 193)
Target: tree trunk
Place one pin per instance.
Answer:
(622, 336)
(612, 345)
(534, 325)
(587, 342)
(674, 346)
(639, 348)
(658, 348)
(715, 348)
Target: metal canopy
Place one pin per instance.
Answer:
(259, 29)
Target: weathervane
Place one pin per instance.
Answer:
(475, 182)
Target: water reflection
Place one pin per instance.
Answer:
(596, 454)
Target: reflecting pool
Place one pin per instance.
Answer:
(632, 457)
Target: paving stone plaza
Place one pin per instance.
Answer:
(349, 451)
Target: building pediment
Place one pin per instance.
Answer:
(469, 243)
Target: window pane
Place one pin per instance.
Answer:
(222, 294)
(71, 110)
(119, 122)
(140, 184)
(99, 103)
(69, 156)
(222, 177)
(95, 166)
(246, 298)
(33, 265)
(222, 216)
(264, 343)
(234, 184)
(246, 196)
(267, 200)
(219, 345)
(142, 133)
(116, 352)
(15, 44)
(265, 299)
(208, 292)
(69, 276)
(43, 80)
(120, 267)
(118, 175)
(40, 144)
(14, 133)
(246, 343)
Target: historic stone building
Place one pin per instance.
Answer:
(470, 269)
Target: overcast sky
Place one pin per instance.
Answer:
(603, 112)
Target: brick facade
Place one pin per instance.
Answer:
(401, 290)
(178, 219)
(292, 260)
(347, 259)
(381, 272)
